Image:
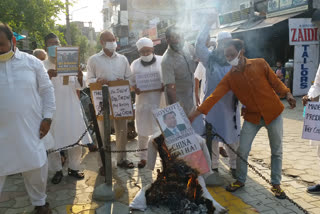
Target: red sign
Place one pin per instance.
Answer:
(303, 32)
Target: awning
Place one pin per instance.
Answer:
(269, 22)
(214, 32)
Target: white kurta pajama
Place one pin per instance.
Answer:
(111, 68)
(145, 122)
(67, 124)
(27, 97)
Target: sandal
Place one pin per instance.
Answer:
(57, 177)
(234, 187)
(125, 164)
(279, 193)
(76, 174)
(142, 164)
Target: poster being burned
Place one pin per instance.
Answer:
(180, 137)
(67, 61)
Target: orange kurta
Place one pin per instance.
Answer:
(256, 88)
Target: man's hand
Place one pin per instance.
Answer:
(193, 115)
(291, 100)
(305, 100)
(44, 127)
(102, 81)
(137, 91)
(52, 73)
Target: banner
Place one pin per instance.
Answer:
(180, 137)
(311, 126)
(303, 32)
(305, 68)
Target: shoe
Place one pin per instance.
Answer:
(76, 174)
(216, 170)
(45, 209)
(223, 152)
(142, 164)
(314, 189)
(92, 147)
(233, 173)
(57, 177)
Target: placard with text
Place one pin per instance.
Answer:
(67, 61)
(311, 126)
(150, 81)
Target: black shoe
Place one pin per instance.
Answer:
(314, 189)
(45, 209)
(233, 173)
(57, 177)
(76, 174)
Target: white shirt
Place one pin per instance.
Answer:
(67, 124)
(200, 74)
(146, 124)
(109, 68)
(27, 96)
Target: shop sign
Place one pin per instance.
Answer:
(302, 32)
(282, 7)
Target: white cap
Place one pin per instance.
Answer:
(223, 35)
(144, 42)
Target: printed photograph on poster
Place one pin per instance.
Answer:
(67, 60)
(150, 81)
(311, 126)
(120, 98)
(172, 120)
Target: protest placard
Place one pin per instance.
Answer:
(97, 99)
(67, 61)
(120, 99)
(311, 126)
(147, 82)
(180, 137)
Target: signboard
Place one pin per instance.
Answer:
(180, 137)
(311, 126)
(67, 60)
(282, 7)
(120, 100)
(150, 81)
(303, 31)
(97, 99)
(305, 68)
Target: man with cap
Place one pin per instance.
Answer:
(68, 124)
(224, 116)
(146, 124)
(105, 66)
(313, 94)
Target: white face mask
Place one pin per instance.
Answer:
(235, 61)
(147, 58)
(111, 46)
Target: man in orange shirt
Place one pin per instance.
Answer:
(256, 86)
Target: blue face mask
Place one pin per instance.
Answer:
(52, 50)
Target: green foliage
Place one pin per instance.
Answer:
(34, 16)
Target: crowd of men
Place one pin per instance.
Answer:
(43, 113)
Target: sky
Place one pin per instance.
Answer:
(92, 13)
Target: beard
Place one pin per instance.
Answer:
(220, 58)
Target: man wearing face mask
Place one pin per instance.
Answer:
(146, 125)
(26, 108)
(68, 123)
(256, 86)
(225, 115)
(105, 66)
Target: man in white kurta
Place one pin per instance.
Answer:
(146, 124)
(68, 124)
(105, 66)
(26, 108)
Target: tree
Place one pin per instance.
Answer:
(34, 16)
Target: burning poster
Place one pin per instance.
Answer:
(180, 137)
